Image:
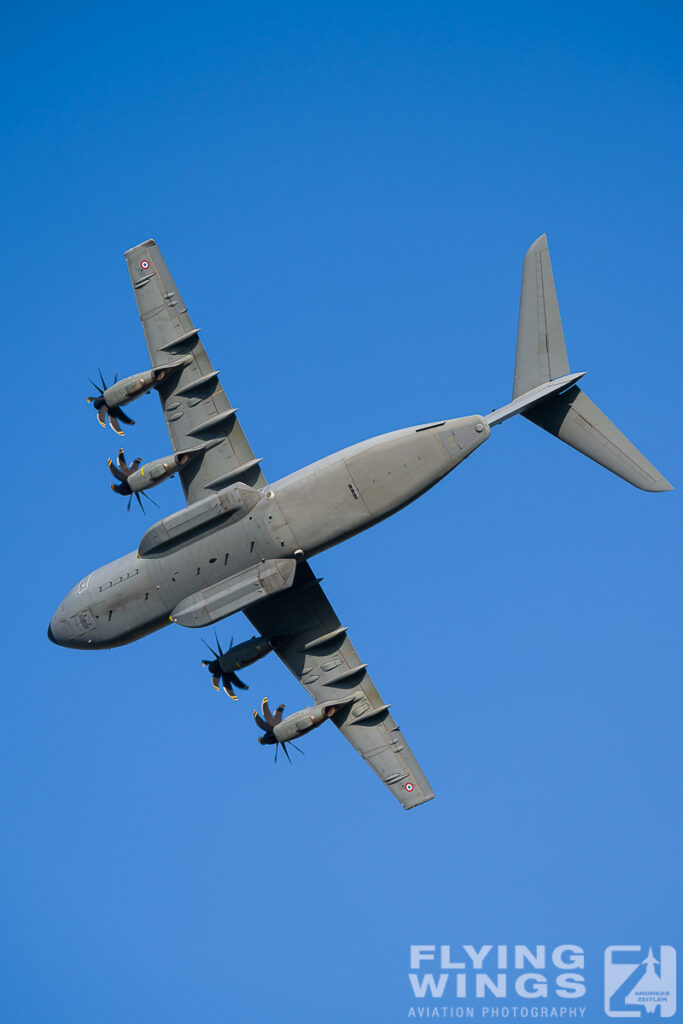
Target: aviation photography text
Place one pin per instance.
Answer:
(467, 982)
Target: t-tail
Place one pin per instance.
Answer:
(546, 392)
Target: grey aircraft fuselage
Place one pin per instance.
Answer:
(296, 517)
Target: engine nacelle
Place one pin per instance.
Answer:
(245, 654)
(304, 721)
(154, 473)
(130, 388)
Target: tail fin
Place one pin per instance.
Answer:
(541, 351)
(568, 414)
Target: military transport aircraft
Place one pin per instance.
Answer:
(242, 544)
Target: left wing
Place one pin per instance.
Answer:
(309, 637)
(196, 409)
(310, 640)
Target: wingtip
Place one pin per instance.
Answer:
(661, 486)
(140, 245)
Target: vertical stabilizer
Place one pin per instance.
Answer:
(541, 351)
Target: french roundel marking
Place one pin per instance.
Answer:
(144, 264)
(409, 787)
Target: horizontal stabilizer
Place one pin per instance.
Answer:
(574, 419)
(526, 401)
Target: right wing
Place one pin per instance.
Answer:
(195, 407)
(317, 651)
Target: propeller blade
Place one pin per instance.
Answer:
(115, 471)
(277, 717)
(104, 386)
(129, 501)
(123, 489)
(284, 747)
(218, 643)
(147, 498)
(215, 681)
(116, 377)
(236, 681)
(139, 503)
(121, 461)
(96, 386)
(135, 464)
(261, 724)
(267, 714)
(228, 688)
(102, 415)
(124, 417)
(211, 649)
(297, 748)
(114, 424)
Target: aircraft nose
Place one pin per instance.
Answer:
(60, 631)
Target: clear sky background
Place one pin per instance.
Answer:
(344, 194)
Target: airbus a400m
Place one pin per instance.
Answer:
(242, 544)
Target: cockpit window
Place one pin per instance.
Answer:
(83, 585)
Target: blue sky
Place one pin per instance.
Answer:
(344, 195)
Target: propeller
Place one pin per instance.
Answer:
(218, 677)
(115, 413)
(267, 721)
(122, 471)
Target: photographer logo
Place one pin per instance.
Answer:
(639, 981)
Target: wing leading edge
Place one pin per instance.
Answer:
(313, 644)
(196, 409)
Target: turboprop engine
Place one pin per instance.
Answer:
(110, 399)
(225, 663)
(281, 731)
(135, 478)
